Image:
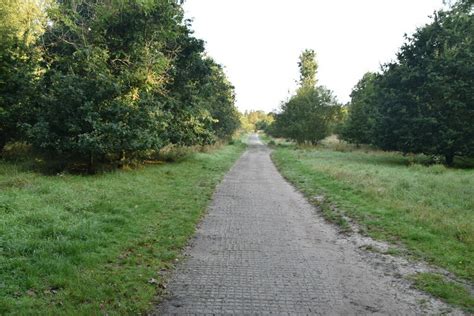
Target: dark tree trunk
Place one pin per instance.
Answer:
(91, 164)
(449, 158)
(3, 142)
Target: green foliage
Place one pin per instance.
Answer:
(112, 81)
(310, 115)
(358, 126)
(307, 116)
(219, 100)
(253, 121)
(21, 23)
(423, 102)
(262, 125)
(430, 92)
(102, 93)
(308, 69)
(201, 100)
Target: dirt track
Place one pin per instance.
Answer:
(262, 248)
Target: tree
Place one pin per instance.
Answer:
(188, 119)
(307, 116)
(21, 23)
(358, 127)
(308, 69)
(125, 78)
(426, 99)
(112, 80)
(219, 100)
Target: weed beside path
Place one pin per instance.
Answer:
(428, 209)
(96, 244)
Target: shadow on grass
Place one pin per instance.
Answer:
(20, 157)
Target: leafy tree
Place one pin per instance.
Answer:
(219, 99)
(203, 106)
(426, 99)
(308, 69)
(118, 79)
(123, 79)
(21, 23)
(358, 127)
(189, 121)
(308, 116)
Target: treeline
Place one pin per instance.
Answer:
(107, 80)
(312, 113)
(252, 121)
(423, 102)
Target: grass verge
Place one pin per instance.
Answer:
(98, 244)
(428, 209)
(449, 292)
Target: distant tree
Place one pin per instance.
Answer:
(276, 128)
(256, 120)
(307, 116)
(308, 69)
(358, 127)
(339, 120)
(261, 125)
(426, 99)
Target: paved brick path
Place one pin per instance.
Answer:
(262, 249)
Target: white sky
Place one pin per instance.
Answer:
(259, 41)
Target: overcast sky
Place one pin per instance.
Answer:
(259, 41)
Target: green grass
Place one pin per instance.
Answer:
(429, 209)
(98, 244)
(449, 292)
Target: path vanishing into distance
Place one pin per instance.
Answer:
(262, 248)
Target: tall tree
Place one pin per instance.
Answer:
(426, 98)
(307, 116)
(308, 69)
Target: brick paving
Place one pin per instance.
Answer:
(262, 249)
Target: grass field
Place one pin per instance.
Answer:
(428, 209)
(99, 244)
